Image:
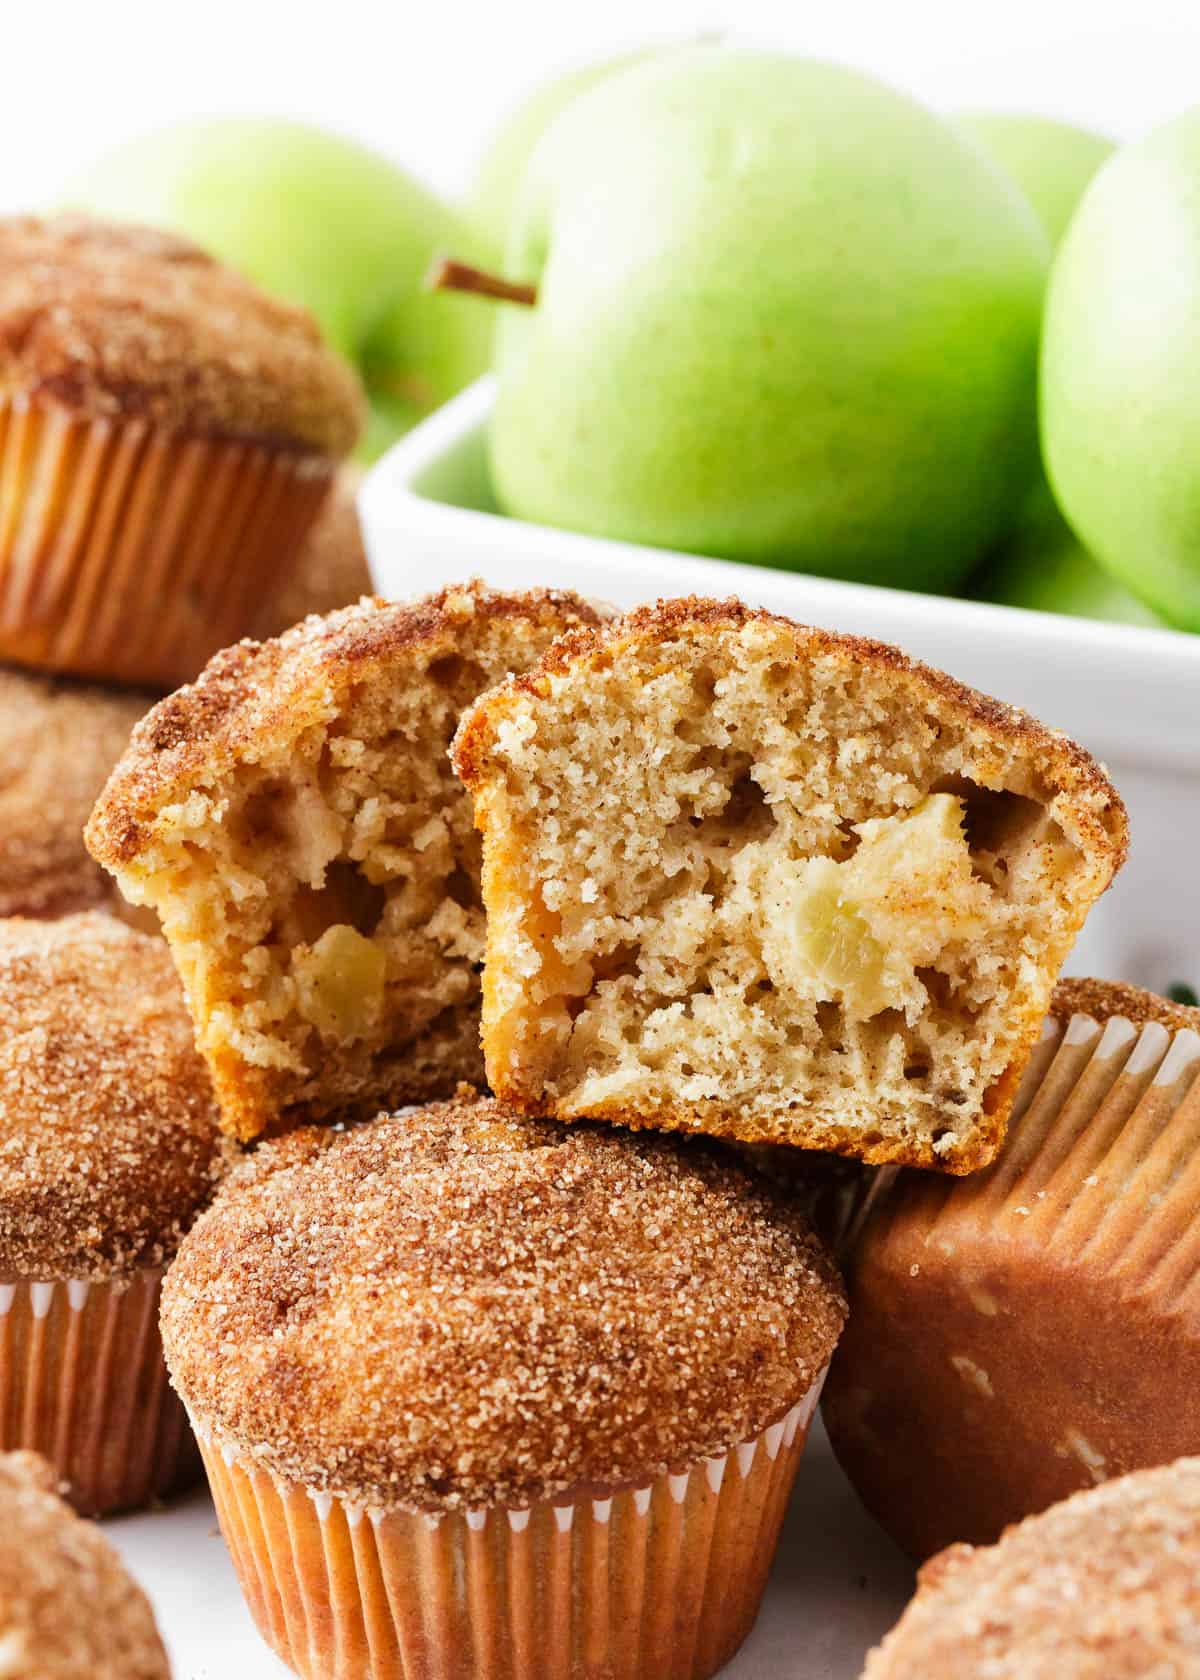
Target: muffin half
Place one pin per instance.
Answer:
(486, 1396)
(766, 881)
(108, 1148)
(294, 820)
(167, 437)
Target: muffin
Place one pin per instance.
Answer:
(482, 1395)
(108, 1147)
(329, 572)
(294, 820)
(68, 1609)
(167, 437)
(754, 879)
(1033, 1330)
(58, 741)
(1101, 1587)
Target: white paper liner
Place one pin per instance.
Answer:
(82, 1381)
(660, 1581)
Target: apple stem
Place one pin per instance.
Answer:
(447, 275)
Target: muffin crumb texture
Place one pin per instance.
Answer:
(68, 1608)
(1101, 1587)
(459, 1307)
(108, 1132)
(294, 820)
(753, 878)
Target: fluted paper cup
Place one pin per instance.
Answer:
(82, 1381)
(661, 1582)
(1033, 1329)
(131, 553)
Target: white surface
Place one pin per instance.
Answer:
(838, 1584)
(425, 84)
(1132, 696)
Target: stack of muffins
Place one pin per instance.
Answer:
(170, 443)
(639, 912)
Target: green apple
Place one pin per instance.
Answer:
(1044, 566)
(1052, 162)
(493, 194)
(325, 222)
(783, 314)
(1121, 370)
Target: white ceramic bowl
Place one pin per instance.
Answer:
(1131, 695)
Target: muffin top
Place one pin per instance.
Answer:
(458, 1307)
(331, 568)
(1105, 1586)
(68, 1609)
(108, 1140)
(1105, 999)
(257, 696)
(128, 323)
(58, 742)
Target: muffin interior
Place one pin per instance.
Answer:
(318, 875)
(727, 882)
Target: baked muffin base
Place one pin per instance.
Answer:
(1028, 1332)
(83, 1382)
(131, 553)
(664, 1580)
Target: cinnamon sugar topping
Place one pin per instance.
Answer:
(68, 1609)
(130, 323)
(108, 1141)
(459, 1307)
(58, 742)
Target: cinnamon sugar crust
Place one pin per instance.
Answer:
(58, 742)
(294, 820)
(331, 569)
(753, 878)
(108, 1135)
(1101, 1587)
(1103, 1000)
(460, 1307)
(128, 323)
(68, 1608)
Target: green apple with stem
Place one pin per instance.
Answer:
(773, 312)
(320, 220)
(1043, 565)
(1121, 370)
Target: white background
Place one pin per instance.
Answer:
(424, 80)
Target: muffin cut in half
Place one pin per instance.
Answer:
(752, 878)
(294, 820)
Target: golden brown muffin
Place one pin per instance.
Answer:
(58, 742)
(167, 436)
(294, 820)
(331, 569)
(108, 1148)
(68, 1609)
(765, 881)
(1033, 1330)
(493, 1330)
(1101, 1587)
